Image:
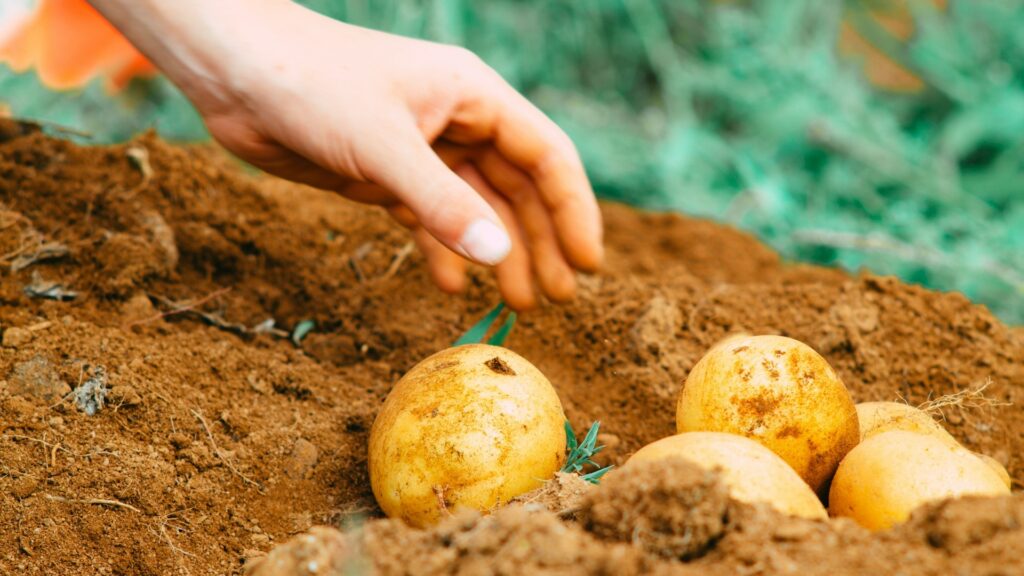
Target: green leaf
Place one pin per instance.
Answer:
(595, 476)
(570, 439)
(580, 453)
(301, 330)
(498, 339)
(476, 334)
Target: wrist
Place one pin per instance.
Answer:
(208, 49)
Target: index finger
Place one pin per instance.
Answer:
(536, 145)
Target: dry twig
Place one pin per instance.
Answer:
(353, 260)
(139, 156)
(396, 262)
(46, 446)
(59, 128)
(180, 552)
(93, 501)
(215, 320)
(220, 454)
(47, 290)
(178, 308)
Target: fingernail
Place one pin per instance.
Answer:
(485, 242)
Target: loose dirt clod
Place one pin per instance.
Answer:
(673, 508)
(36, 377)
(671, 287)
(90, 395)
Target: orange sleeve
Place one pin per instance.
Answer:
(69, 43)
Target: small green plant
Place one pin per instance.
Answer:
(302, 329)
(476, 333)
(581, 454)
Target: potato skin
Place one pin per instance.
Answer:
(469, 426)
(880, 417)
(998, 468)
(883, 479)
(751, 472)
(779, 392)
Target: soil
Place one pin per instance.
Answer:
(158, 287)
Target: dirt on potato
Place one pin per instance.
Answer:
(157, 418)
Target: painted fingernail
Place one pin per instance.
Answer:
(485, 242)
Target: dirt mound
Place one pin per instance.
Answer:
(635, 506)
(159, 288)
(671, 509)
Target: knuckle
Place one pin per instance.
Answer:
(466, 57)
(552, 162)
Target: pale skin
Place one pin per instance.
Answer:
(428, 131)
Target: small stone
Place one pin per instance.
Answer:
(37, 378)
(794, 531)
(15, 337)
(24, 487)
(260, 539)
(124, 396)
(137, 309)
(179, 440)
(303, 459)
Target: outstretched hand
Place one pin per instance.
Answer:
(427, 131)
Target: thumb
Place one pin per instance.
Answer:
(445, 205)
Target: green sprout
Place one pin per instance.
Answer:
(581, 454)
(476, 333)
(301, 330)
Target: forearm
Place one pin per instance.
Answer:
(199, 44)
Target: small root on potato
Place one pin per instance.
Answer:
(969, 398)
(442, 502)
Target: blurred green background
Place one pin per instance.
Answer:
(743, 112)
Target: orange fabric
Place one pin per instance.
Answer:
(69, 43)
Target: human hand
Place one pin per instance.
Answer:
(427, 131)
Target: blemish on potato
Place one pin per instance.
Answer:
(758, 406)
(444, 364)
(498, 365)
(790, 431)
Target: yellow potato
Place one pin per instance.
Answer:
(779, 392)
(878, 417)
(751, 472)
(883, 479)
(996, 467)
(469, 426)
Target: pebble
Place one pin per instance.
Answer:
(15, 337)
(24, 487)
(303, 458)
(793, 531)
(125, 395)
(37, 378)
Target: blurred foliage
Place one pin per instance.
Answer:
(740, 111)
(143, 105)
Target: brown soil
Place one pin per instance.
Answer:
(214, 443)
